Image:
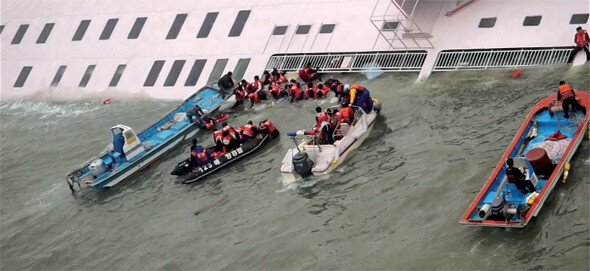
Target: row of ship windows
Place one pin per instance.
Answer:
(533, 20)
(175, 28)
(153, 75)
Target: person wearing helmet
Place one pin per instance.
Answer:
(361, 97)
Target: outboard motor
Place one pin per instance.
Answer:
(302, 164)
(182, 168)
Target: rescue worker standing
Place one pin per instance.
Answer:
(581, 39)
(361, 97)
(567, 96)
(218, 138)
(321, 119)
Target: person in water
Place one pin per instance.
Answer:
(199, 155)
(567, 96)
(518, 178)
(194, 111)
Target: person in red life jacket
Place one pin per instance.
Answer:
(218, 139)
(347, 113)
(230, 130)
(240, 95)
(323, 89)
(309, 91)
(199, 155)
(295, 92)
(267, 78)
(515, 176)
(321, 119)
(246, 86)
(248, 131)
(582, 40)
(206, 123)
(267, 127)
(567, 96)
(281, 79)
(274, 89)
(257, 85)
(229, 142)
(256, 97)
(309, 74)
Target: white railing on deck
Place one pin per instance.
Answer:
(500, 58)
(350, 62)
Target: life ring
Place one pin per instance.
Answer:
(107, 101)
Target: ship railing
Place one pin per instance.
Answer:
(500, 58)
(410, 61)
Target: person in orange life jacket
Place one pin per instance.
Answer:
(218, 139)
(256, 96)
(309, 74)
(267, 78)
(327, 127)
(309, 91)
(229, 142)
(194, 111)
(567, 96)
(240, 94)
(267, 127)
(281, 79)
(295, 92)
(581, 39)
(321, 119)
(226, 84)
(257, 85)
(274, 89)
(199, 155)
(347, 113)
(361, 97)
(230, 130)
(321, 88)
(205, 123)
(247, 86)
(248, 131)
(515, 176)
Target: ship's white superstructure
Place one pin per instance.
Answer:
(168, 48)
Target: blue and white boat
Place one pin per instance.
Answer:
(132, 152)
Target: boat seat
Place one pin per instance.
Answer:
(163, 135)
(178, 126)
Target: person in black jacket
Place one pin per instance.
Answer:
(226, 84)
(518, 178)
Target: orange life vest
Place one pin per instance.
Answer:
(257, 85)
(248, 130)
(202, 156)
(227, 139)
(267, 123)
(282, 79)
(254, 95)
(357, 87)
(321, 118)
(217, 135)
(310, 92)
(296, 91)
(347, 114)
(566, 91)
